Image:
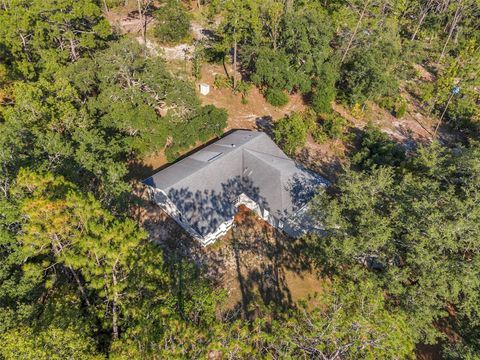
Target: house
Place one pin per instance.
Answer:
(202, 192)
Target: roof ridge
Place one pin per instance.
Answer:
(254, 153)
(276, 169)
(270, 155)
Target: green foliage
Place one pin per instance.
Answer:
(416, 229)
(334, 127)
(243, 88)
(322, 99)
(396, 105)
(50, 344)
(325, 92)
(276, 97)
(291, 132)
(353, 319)
(198, 58)
(41, 36)
(272, 70)
(221, 82)
(208, 123)
(368, 74)
(173, 23)
(366, 77)
(376, 149)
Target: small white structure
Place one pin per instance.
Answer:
(204, 89)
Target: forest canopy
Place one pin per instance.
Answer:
(82, 103)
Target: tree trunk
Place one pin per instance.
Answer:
(362, 14)
(235, 64)
(106, 6)
(80, 286)
(419, 25)
(456, 19)
(144, 30)
(140, 15)
(114, 307)
(73, 51)
(24, 46)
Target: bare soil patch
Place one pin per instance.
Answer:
(413, 127)
(241, 115)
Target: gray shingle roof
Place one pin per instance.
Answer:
(205, 184)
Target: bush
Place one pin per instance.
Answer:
(114, 3)
(243, 88)
(401, 109)
(291, 132)
(326, 91)
(206, 124)
(334, 127)
(173, 22)
(322, 99)
(397, 105)
(221, 82)
(376, 148)
(276, 97)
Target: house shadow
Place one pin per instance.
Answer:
(265, 124)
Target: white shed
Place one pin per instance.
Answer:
(204, 89)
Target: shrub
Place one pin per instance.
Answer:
(334, 127)
(377, 149)
(397, 106)
(113, 3)
(387, 103)
(173, 22)
(221, 82)
(400, 109)
(276, 97)
(326, 91)
(291, 132)
(243, 88)
(322, 99)
(207, 123)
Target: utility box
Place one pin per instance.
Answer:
(204, 89)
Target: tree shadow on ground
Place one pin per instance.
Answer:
(262, 257)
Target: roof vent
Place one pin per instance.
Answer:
(232, 145)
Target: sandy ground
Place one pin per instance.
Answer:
(244, 116)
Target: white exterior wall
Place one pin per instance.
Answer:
(162, 200)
